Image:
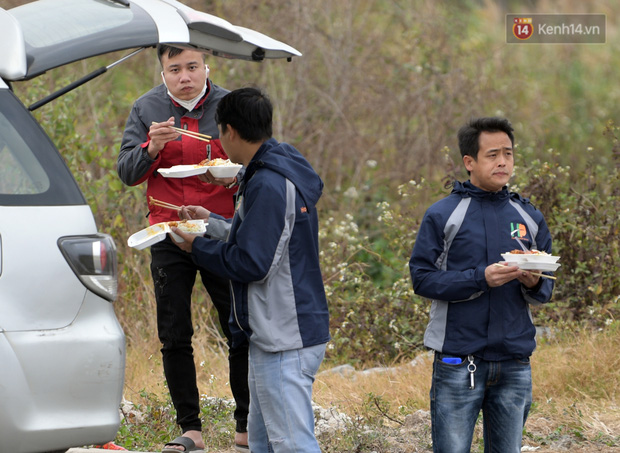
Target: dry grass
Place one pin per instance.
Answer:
(144, 369)
(404, 385)
(576, 384)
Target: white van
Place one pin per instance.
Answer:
(62, 350)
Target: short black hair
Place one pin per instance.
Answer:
(247, 110)
(169, 51)
(469, 134)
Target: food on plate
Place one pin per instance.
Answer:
(187, 226)
(532, 259)
(217, 162)
(155, 229)
(529, 252)
(158, 231)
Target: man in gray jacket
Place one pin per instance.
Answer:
(186, 99)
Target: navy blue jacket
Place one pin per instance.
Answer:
(459, 237)
(271, 255)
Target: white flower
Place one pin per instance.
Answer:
(351, 192)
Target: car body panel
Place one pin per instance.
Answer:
(87, 358)
(13, 53)
(79, 29)
(33, 299)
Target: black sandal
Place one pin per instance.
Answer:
(182, 441)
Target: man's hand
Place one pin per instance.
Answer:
(498, 274)
(194, 213)
(527, 279)
(208, 178)
(160, 134)
(188, 239)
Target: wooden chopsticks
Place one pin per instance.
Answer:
(196, 135)
(538, 274)
(163, 204)
(543, 275)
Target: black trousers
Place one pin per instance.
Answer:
(174, 275)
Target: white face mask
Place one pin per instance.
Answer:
(190, 103)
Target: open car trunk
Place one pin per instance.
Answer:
(45, 34)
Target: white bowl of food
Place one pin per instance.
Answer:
(222, 168)
(193, 227)
(531, 256)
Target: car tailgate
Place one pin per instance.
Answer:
(45, 34)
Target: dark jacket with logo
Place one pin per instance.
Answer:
(459, 237)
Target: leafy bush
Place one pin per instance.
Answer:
(582, 209)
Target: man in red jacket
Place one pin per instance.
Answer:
(187, 99)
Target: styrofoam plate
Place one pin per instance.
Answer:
(148, 236)
(533, 266)
(157, 233)
(182, 171)
(224, 171)
(529, 258)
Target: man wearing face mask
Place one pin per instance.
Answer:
(187, 99)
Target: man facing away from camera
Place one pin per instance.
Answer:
(480, 323)
(270, 253)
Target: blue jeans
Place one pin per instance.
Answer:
(281, 418)
(503, 390)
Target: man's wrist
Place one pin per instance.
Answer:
(233, 184)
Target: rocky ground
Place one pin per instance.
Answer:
(414, 436)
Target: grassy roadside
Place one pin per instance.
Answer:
(384, 409)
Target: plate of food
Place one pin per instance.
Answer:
(182, 171)
(221, 168)
(535, 256)
(544, 267)
(195, 227)
(157, 232)
(532, 260)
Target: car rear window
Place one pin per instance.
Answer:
(20, 172)
(32, 171)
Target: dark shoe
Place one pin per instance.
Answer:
(181, 441)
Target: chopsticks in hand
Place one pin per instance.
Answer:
(541, 275)
(192, 134)
(163, 204)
